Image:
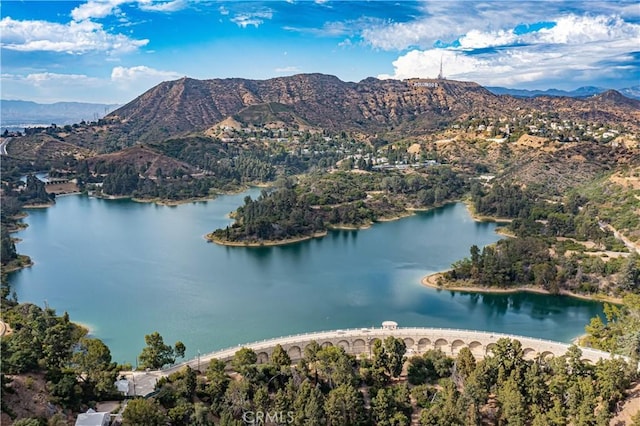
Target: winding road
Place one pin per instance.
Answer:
(3, 145)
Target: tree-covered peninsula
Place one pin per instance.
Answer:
(562, 244)
(310, 205)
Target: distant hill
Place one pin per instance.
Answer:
(322, 101)
(581, 92)
(15, 113)
(373, 108)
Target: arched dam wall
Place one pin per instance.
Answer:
(360, 341)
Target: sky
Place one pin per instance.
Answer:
(111, 51)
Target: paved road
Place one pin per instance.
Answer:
(627, 242)
(3, 145)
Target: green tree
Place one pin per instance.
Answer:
(181, 414)
(156, 354)
(179, 349)
(513, 408)
(279, 357)
(237, 397)
(201, 415)
(612, 378)
(344, 406)
(446, 409)
(244, 361)
(7, 247)
(394, 348)
(465, 362)
(143, 412)
(92, 364)
(335, 367)
(217, 382)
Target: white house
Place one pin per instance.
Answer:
(123, 386)
(93, 418)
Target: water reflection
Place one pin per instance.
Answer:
(210, 296)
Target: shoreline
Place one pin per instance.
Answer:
(349, 227)
(268, 243)
(480, 218)
(432, 282)
(38, 206)
(24, 262)
(173, 203)
(410, 211)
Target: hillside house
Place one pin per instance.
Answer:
(93, 418)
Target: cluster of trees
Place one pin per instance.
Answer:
(322, 389)
(503, 200)
(34, 192)
(8, 252)
(228, 162)
(320, 200)
(183, 188)
(330, 387)
(14, 198)
(619, 333)
(504, 388)
(519, 261)
(124, 179)
(78, 369)
(537, 256)
(527, 261)
(438, 185)
(278, 215)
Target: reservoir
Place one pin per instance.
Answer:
(126, 269)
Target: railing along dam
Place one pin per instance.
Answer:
(360, 342)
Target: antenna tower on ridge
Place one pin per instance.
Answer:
(440, 76)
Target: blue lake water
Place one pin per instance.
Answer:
(126, 269)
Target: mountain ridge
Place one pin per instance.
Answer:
(373, 106)
(581, 92)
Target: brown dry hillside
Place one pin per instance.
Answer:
(370, 106)
(568, 165)
(143, 159)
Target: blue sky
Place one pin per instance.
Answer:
(113, 50)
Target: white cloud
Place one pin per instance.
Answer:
(141, 72)
(45, 77)
(252, 18)
(572, 51)
(52, 87)
(123, 85)
(73, 38)
(574, 29)
(95, 9)
(288, 70)
(476, 39)
(168, 6)
(442, 21)
(451, 20)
